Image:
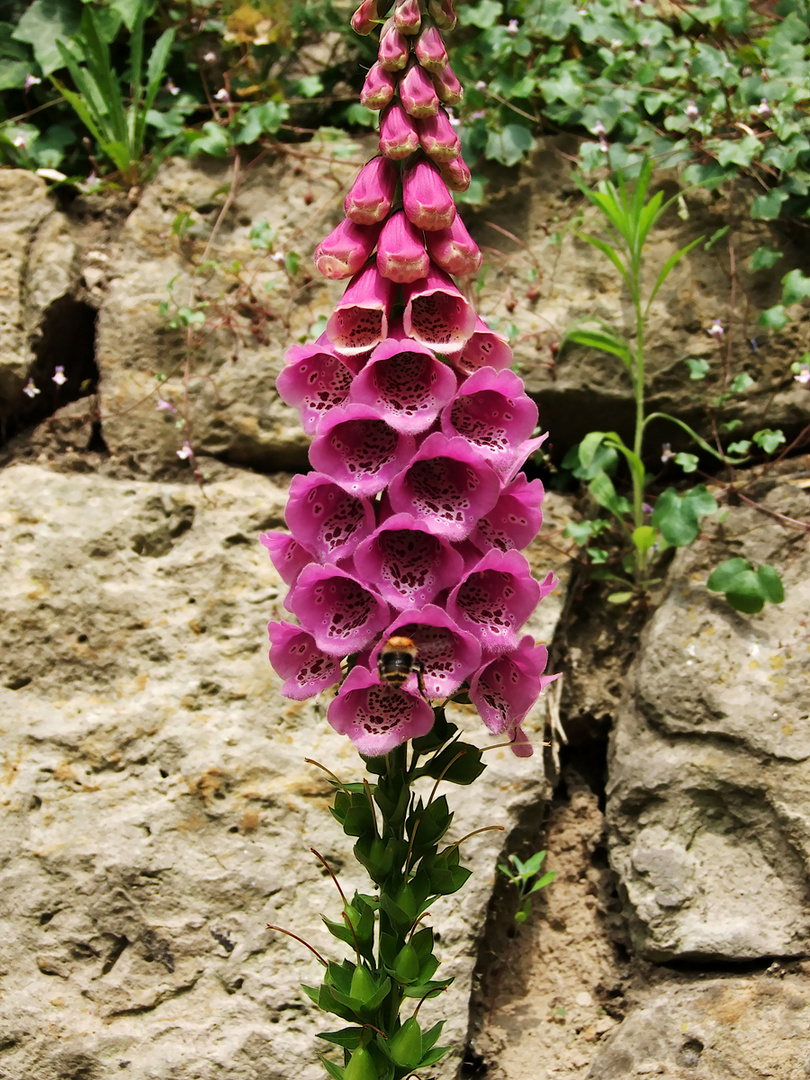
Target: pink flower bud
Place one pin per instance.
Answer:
(454, 249)
(436, 314)
(378, 89)
(394, 48)
(441, 11)
(366, 17)
(447, 86)
(345, 250)
(456, 174)
(425, 198)
(408, 17)
(360, 319)
(430, 50)
(401, 255)
(437, 137)
(372, 193)
(398, 135)
(417, 93)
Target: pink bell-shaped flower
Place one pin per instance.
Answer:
(406, 563)
(430, 50)
(342, 615)
(456, 174)
(360, 319)
(375, 716)
(505, 688)
(405, 383)
(448, 485)
(326, 519)
(417, 93)
(398, 135)
(401, 254)
(408, 16)
(313, 380)
(441, 11)
(438, 138)
(359, 451)
(495, 598)
(286, 554)
(484, 349)
(372, 194)
(366, 17)
(425, 198)
(436, 314)
(493, 412)
(378, 88)
(453, 249)
(298, 660)
(394, 48)
(448, 89)
(449, 652)
(514, 520)
(346, 249)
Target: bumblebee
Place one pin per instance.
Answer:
(398, 659)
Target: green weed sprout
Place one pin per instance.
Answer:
(117, 123)
(521, 875)
(628, 216)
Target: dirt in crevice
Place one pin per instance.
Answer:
(549, 990)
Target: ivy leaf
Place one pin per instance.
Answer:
(676, 516)
(43, 24)
(767, 207)
(768, 439)
(795, 287)
(509, 146)
(698, 369)
(771, 583)
(484, 14)
(774, 318)
(764, 258)
(688, 462)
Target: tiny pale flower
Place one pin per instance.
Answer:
(59, 376)
(692, 111)
(31, 389)
(513, 27)
(803, 376)
(599, 128)
(20, 141)
(716, 330)
(222, 95)
(170, 88)
(209, 57)
(31, 80)
(185, 453)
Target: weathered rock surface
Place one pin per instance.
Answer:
(709, 801)
(157, 811)
(742, 1028)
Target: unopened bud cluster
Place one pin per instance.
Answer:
(411, 524)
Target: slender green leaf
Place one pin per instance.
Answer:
(604, 341)
(667, 268)
(611, 253)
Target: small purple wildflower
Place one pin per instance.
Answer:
(31, 389)
(59, 376)
(716, 330)
(31, 80)
(185, 453)
(692, 111)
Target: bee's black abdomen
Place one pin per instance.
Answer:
(394, 668)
